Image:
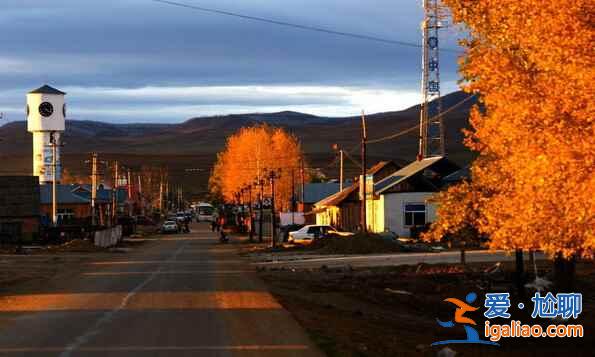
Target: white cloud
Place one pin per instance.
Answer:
(179, 103)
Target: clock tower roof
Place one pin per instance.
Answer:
(45, 89)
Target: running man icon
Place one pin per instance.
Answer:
(460, 318)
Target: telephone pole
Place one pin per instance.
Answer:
(141, 200)
(161, 193)
(260, 183)
(54, 144)
(129, 186)
(292, 196)
(362, 183)
(303, 182)
(251, 237)
(115, 193)
(93, 187)
(272, 177)
(337, 148)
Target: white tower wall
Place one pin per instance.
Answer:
(42, 123)
(42, 156)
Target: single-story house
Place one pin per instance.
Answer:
(401, 201)
(343, 209)
(74, 202)
(19, 208)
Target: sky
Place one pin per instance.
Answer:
(143, 61)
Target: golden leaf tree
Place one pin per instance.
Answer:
(250, 155)
(533, 184)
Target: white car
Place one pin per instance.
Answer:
(308, 233)
(170, 227)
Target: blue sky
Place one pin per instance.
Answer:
(142, 61)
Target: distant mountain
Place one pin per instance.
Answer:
(196, 141)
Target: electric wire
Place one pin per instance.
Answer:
(408, 130)
(298, 26)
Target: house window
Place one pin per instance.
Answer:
(415, 214)
(65, 212)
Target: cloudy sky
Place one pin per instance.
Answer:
(144, 61)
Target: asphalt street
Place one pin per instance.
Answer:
(182, 295)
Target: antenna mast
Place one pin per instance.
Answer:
(431, 129)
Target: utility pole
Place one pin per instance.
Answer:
(161, 192)
(167, 198)
(337, 148)
(251, 237)
(341, 171)
(129, 186)
(292, 196)
(362, 183)
(181, 194)
(115, 193)
(93, 187)
(260, 208)
(140, 195)
(54, 144)
(272, 176)
(303, 182)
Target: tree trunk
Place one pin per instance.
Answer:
(564, 273)
(520, 272)
(463, 258)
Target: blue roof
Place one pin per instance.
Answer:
(74, 194)
(314, 192)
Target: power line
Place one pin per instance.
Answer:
(297, 26)
(408, 130)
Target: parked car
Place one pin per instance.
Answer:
(170, 227)
(181, 217)
(308, 233)
(285, 230)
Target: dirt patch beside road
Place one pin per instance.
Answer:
(393, 311)
(42, 263)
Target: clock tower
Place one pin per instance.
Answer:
(46, 116)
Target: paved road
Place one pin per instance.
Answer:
(304, 262)
(183, 295)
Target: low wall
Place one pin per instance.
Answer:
(108, 237)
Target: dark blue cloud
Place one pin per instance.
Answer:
(140, 43)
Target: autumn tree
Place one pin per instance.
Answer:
(531, 63)
(250, 154)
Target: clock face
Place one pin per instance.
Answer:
(46, 109)
(27, 110)
(64, 110)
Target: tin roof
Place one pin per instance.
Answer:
(406, 172)
(314, 192)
